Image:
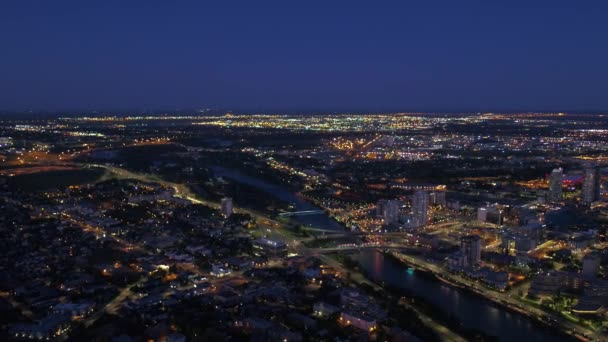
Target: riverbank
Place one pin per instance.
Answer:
(361, 280)
(542, 319)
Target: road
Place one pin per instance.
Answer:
(115, 304)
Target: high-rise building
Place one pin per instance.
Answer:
(420, 206)
(390, 211)
(380, 208)
(491, 213)
(591, 186)
(438, 198)
(555, 185)
(226, 206)
(470, 247)
(482, 214)
(591, 265)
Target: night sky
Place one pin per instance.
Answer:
(294, 55)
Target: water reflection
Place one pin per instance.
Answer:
(322, 220)
(472, 311)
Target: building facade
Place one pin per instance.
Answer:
(591, 186)
(470, 247)
(555, 185)
(420, 207)
(226, 206)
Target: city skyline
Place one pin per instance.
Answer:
(263, 226)
(303, 171)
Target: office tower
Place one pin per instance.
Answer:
(555, 185)
(591, 186)
(226, 206)
(491, 213)
(380, 208)
(391, 210)
(438, 198)
(482, 214)
(470, 247)
(591, 265)
(420, 206)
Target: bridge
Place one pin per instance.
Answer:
(322, 230)
(301, 213)
(352, 247)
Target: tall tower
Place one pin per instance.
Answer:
(591, 185)
(470, 247)
(390, 212)
(591, 265)
(420, 206)
(226, 206)
(555, 185)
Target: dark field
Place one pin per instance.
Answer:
(42, 181)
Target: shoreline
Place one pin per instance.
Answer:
(537, 321)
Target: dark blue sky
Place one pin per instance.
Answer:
(304, 55)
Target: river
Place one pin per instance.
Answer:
(321, 220)
(471, 310)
